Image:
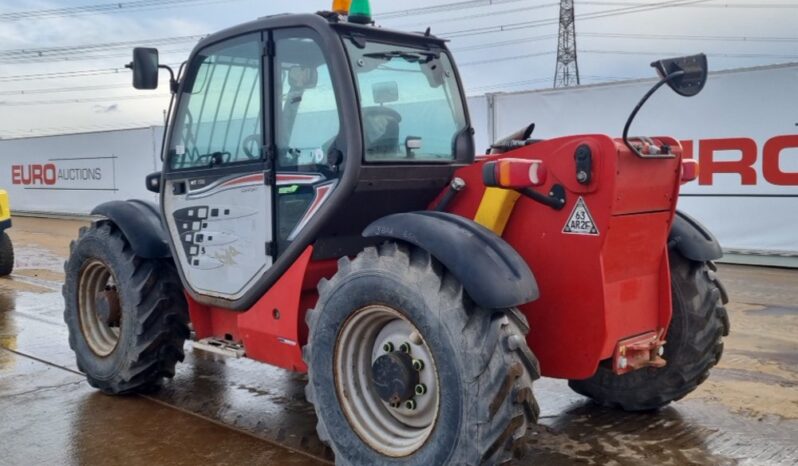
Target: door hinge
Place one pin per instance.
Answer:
(269, 49)
(271, 153)
(271, 249)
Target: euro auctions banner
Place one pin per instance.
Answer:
(743, 130)
(71, 174)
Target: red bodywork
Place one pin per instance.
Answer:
(596, 291)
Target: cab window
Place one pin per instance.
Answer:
(412, 108)
(307, 126)
(307, 121)
(219, 120)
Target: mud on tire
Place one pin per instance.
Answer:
(152, 322)
(6, 255)
(484, 367)
(694, 345)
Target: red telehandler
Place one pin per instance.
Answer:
(322, 210)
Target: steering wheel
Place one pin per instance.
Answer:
(250, 151)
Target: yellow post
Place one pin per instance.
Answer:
(495, 209)
(5, 210)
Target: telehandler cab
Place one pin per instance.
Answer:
(322, 211)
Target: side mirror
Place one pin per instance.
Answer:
(145, 68)
(689, 73)
(153, 182)
(687, 77)
(385, 93)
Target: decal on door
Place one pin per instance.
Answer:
(580, 222)
(205, 246)
(222, 231)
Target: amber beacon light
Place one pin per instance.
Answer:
(341, 6)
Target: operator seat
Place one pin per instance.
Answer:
(381, 127)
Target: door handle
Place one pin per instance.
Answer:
(179, 188)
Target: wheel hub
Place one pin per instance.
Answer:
(394, 378)
(387, 380)
(108, 309)
(100, 312)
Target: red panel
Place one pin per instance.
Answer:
(595, 290)
(271, 330)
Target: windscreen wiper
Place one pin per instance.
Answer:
(412, 57)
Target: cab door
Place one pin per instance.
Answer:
(217, 195)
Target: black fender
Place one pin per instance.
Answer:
(693, 240)
(141, 224)
(491, 271)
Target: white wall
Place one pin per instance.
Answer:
(71, 174)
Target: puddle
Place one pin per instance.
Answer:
(774, 311)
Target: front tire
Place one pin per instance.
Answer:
(477, 371)
(694, 345)
(127, 316)
(6, 255)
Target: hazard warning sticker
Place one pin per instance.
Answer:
(580, 222)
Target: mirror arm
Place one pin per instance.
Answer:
(173, 84)
(640, 104)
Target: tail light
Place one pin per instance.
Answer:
(514, 173)
(689, 170)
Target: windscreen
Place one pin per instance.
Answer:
(412, 108)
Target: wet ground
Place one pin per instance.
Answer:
(227, 411)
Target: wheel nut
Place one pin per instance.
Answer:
(388, 347)
(418, 365)
(410, 404)
(405, 348)
(421, 389)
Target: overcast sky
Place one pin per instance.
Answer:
(616, 39)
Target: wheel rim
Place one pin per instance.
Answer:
(395, 431)
(100, 317)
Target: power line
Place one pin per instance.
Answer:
(450, 19)
(527, 82)
(106, 8)
(20, 133)
(39, 55)
(514, 57)
(62, 74)
(582, 17)
(684, 37)
(491, 45)
(58, 90)
(724, 6)
(67, 74)
(442, 8)
(81, 58)
(81, 101)
(709, 54)
(79, 50)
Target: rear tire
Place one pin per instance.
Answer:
(694, 345)
(482, 366)
(127, 316)
(6, 255)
